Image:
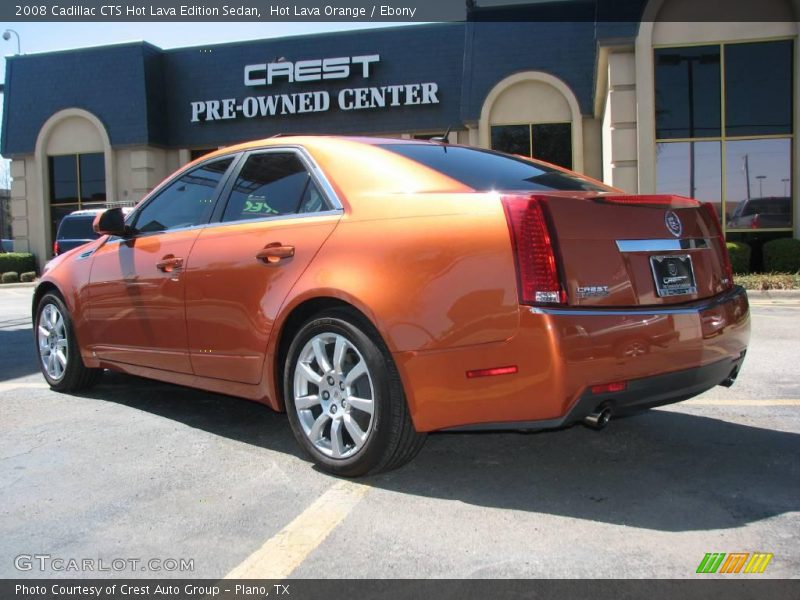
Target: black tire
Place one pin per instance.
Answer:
(391, 440)
(75, 375)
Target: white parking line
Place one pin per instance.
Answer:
(710, 402)
(20, 385)
(287, 549)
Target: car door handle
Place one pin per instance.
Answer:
(170, 263)
(274, 253)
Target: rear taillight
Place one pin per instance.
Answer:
(55, 248)
(711, 212)
(756, 222)
(531, 239)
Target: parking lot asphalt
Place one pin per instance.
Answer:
(139, 470)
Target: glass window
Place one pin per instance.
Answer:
(687, 92)
(76, 181)
(92, 171)
(77, 228)
(185, 202)
(313, 200)
(754, 145)
(63, 179)
(692, 169)
(758, 88)
(57, 213)
(759, 183)
(553, 142)
(485, 170)
(513, 139)
(269, 184)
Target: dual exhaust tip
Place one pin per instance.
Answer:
(599, 418)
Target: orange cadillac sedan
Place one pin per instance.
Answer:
(380, 289)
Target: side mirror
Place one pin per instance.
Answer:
(110, 222)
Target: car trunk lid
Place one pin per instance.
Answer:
(621, 251)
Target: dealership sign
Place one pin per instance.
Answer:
(303, 71)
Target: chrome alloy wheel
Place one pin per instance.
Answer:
(333, 395)
(53, 344)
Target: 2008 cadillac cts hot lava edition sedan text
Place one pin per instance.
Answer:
(380, 289)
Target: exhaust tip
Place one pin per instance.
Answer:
(598, 419)
(730, 379)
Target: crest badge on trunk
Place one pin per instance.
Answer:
(673, 223)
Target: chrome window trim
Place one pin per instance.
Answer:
(695, 308)
(321, 213)
(316, 174)
(240, 156)
(663, 245)
(116, 240)
(156, 191)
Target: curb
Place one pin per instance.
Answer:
(27, 284)
(774, 294)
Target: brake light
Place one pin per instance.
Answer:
(537, 271)
(756, 222)
(652, 200)
(711, 213)
(55, 248)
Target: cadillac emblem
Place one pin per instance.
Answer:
(673, 223)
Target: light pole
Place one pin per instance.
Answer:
(7, 36)
(761, 179)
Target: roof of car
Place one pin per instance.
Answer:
(309, 140)
(86, 212)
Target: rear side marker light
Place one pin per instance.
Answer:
(510, 370)
(610, 388)
(537, 272)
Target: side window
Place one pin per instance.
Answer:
(185, 202)
(313, 200)
(272, 184)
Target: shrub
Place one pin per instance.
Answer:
(740, 256)
(20, 262)
(29, 276)
(782, 256)
(10, 277)
(769, 281)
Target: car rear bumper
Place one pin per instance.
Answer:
(662, 355)
(639, 394)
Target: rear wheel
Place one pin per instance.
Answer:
(59, 355)
(344, 397)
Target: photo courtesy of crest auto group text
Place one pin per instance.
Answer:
(358, 300)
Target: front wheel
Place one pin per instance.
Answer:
(344, 397)
(59, 355)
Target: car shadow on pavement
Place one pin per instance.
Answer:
(233, 418)
(13, 363)
(663, 470)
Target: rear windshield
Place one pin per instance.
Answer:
(76, 228)
(768, 206)
(484, 170)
